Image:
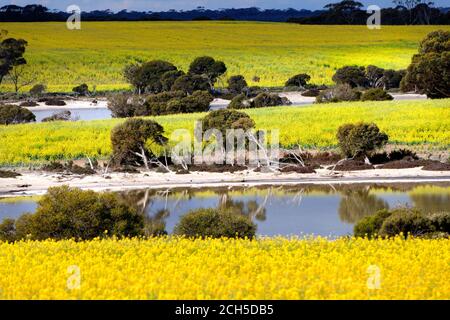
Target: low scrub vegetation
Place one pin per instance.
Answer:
(12, 114)
(405, 221)
(69, 213)
(215, 223)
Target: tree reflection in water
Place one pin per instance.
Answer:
(357, 204)
(356, 201)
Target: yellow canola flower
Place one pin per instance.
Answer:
(179, 268)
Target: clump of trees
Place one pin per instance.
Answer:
(159, 76)
(262, 100)
(71, 213)
(124, 105)
(341, 92)
(215, 223)
(38, 90)
(136, 141)
(237, 84)
(360, 140)
(12, 114)
(376, 94)
(429, 71)
(406, 221)
(368, 77)
(225, 119)
(298, 81)
(81, 90)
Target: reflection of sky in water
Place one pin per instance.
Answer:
(77, 114)
(15, 210)
(330, 214)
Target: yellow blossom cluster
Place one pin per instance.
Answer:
(267, 268)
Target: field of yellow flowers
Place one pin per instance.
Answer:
(414, 123)
(273, 52)
(178, 268)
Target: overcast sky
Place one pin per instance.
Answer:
(162, 5)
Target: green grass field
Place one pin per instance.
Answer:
(420, 124)
(273, 51)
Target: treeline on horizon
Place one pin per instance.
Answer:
(345, 12)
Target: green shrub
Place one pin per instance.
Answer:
(147, 77)
(208, 68)
(82, 89)
(376, 94)
(190, 83)
(360, 140)
(406, 221)
(264, 99)
(341, 92)
(352, 75)
(441, 222)
(225, 119)
(239, 102)
(236, 84)
(130, 141)
(299, 80)
(401, 154)
(12, 114)
(168, 79)
(123, 105)
(216, 224)
(370, 225)
(428, 71)
(37, 90)
(65, 213)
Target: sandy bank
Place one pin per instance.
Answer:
(38, 182)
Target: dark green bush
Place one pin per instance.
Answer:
(428, 71)
(370, 226)
(227, 119)
(299, 80)
(406, 221)
(12, 114)
(123, 105)
(147, 77)
(311, 93)
(239, 102)
(216, 224)
(65, 213)
(441, 222)
(82, 89)
(129, 141)
(352, 75)
(341, 92)
(376, 94)
(360, 140)
(236, 84)
(401, 154)
(264, 99)
(168, 79)
(208, 68)
(37, 90)
(190, 83)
